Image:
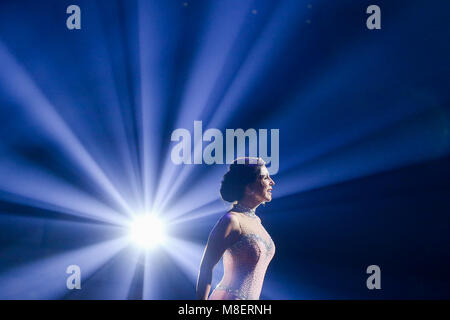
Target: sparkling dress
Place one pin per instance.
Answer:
(246, 261)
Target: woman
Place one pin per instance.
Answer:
(239, 236)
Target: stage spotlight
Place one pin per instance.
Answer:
(147, 231)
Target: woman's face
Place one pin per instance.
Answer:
(262, 188)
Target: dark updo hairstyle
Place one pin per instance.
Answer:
(242, 172)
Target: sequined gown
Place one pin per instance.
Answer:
(245, 263)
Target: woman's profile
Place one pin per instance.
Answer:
(239, 236)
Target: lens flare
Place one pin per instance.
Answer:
(147, 231)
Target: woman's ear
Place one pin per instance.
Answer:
(249, 190)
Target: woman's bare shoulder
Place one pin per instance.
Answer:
(229, 220)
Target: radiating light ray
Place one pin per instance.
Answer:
(335, 82)
(42, 112)
(274, 35)
(108, 90)
(112, 281)
(125, 274)
(207, 70)
(337, 79)
(190, 260)
(216, 210)
(46, 278)
(254, 65)
(165, 198)
(384, 151)
(197, 194)
(32, 186)
(92, 96)
(215, 49)
(151, 283)
(151, 92)
(166, 186)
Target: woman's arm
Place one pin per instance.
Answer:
(223, 235)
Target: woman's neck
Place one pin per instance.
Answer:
(249, 203)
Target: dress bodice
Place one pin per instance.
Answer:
(245, 263)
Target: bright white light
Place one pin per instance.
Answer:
(147, 231)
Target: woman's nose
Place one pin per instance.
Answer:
(272, 182)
